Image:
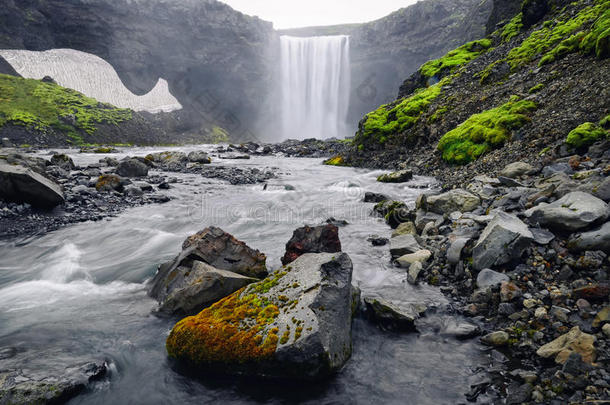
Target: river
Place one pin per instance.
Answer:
(81, 290)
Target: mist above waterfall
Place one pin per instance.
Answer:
(315, 86)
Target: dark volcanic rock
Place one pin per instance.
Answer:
(19, 184)
(320, 239)
(27, 379)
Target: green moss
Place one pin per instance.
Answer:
(586, 135)
(482, 132)
(536, 88)
(44, 106)
(598, 39)
(335, 161)
(605, 122)
(549, 36)
(396, 118)
(455, 58)
(513, 28)
(438, 114)
(216, 135)
(567, 46)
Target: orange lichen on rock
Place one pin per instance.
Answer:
(231, 331)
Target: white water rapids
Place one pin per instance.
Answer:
(315, 86)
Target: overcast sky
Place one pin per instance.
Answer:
(305, 13)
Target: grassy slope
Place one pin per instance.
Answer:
(48, 107)
(584, 28)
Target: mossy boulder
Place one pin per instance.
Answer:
(63, 161)
(586, 135)
(108, 183)
(335, 161)
(485, 131)
(295, 324)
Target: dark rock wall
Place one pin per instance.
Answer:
(214, 58)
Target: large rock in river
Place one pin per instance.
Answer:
(318, 239)
(21, 185)
(212, 265)
(294, 324)
(132, 168)
(573, 212)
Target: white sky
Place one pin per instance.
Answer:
(306, 13)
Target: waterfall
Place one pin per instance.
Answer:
(315, 86)
(90, 75)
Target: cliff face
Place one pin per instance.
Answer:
(214, 58)
(519, 94)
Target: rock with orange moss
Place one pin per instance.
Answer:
(295, 324)
(212, 265)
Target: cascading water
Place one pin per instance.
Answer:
(90, 75)
(315, 86)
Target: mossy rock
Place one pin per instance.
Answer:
(586, 135)
(485, 131)
(294, 324)
(335, 161)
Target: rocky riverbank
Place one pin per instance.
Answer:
(524, 253)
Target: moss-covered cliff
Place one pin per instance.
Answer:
(516, 94)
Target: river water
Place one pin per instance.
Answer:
(81, 291)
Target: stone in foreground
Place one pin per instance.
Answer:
(199, 286)
(403, 245)
(296, 324)
(573, 212)
(318, 239)
(573, 341)
(503, 240)
(27, 378)
(595, 240)
(394, 314)
(21, 185)
(212, 265)
(397, 177)
(451, 201)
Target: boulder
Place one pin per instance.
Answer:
(401, 176)
(212, 265)
(454, 200)
(6, 143)
(421, 256)
(22, 185)
(199, 157)
(296, 324)
(394, 315)
(573, 341)
(575, 211)
(108, 183)
(403, 245)
(221, 250)
(168, 158)
(454, 252)
(598, 239)
(188, 290)
(498, 338)
(489, 278)
(517, 169)
(132, 168)
(319, 239)
(370, 197)
(28, 377)
(413, 274)
(504, 239)
(406, 228)
(63, 161)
